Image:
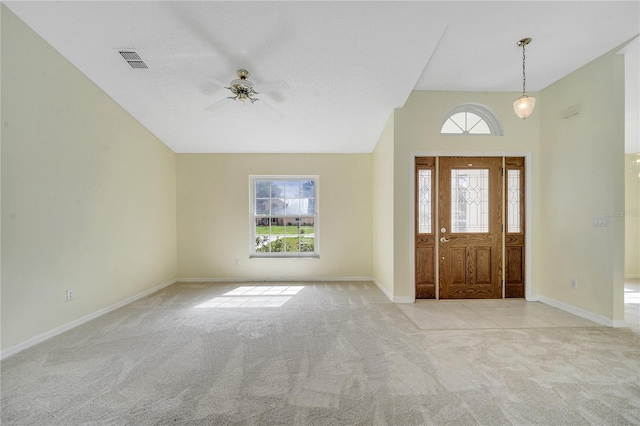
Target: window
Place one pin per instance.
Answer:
(284, 215)
(465, 122)
(471, 119)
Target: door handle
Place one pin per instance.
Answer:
(444, 240)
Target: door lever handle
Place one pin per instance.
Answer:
(444, 240)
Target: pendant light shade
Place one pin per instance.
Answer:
(523, 106)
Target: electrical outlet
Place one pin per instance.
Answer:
(69, 295)
(574, 282)
(237, 262)
(601, 222)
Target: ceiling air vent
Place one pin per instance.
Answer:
(133, 59)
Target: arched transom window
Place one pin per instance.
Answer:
(471, 119)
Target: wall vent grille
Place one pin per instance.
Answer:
(133, 59)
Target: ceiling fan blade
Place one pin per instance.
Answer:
(169, 71)
(208, 77)
(201, 29)
(217, 106)
(268, 110)
(273, 86)
(218, 82)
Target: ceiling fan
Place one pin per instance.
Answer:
(244, 91)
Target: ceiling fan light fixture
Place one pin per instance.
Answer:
(524, 105)
(243, 90)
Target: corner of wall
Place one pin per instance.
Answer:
(383, 216)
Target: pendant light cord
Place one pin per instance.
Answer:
(524, 75)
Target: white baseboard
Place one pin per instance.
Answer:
(66, 327)
(394, 299)
(271, 279)
(597, 318)
(382, 289)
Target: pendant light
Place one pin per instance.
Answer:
(523, 106)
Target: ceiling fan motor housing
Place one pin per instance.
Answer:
(242, 88)
(242, 85)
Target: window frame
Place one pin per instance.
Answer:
(253, 216)
(515, 164)
(427, 164)
(482, 111)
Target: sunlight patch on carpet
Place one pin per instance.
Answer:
(254, 297)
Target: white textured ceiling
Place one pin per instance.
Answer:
(349, 64)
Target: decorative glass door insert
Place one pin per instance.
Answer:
(469, 200)
(424, 201)
(513, 200)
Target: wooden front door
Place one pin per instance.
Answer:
(470, 228)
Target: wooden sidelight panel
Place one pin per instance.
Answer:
(425, 240)
(515, 227)
(470, 225)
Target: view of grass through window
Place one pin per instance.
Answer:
(285, 216)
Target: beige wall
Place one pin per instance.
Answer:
(382, 180)
(582, 178)
(214, 221)
(88, 194)
(417, 131)
(632, 219)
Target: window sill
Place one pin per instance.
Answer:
(297, 256)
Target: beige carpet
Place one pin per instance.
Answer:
(315, 354)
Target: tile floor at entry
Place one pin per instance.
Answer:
(497, 314)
